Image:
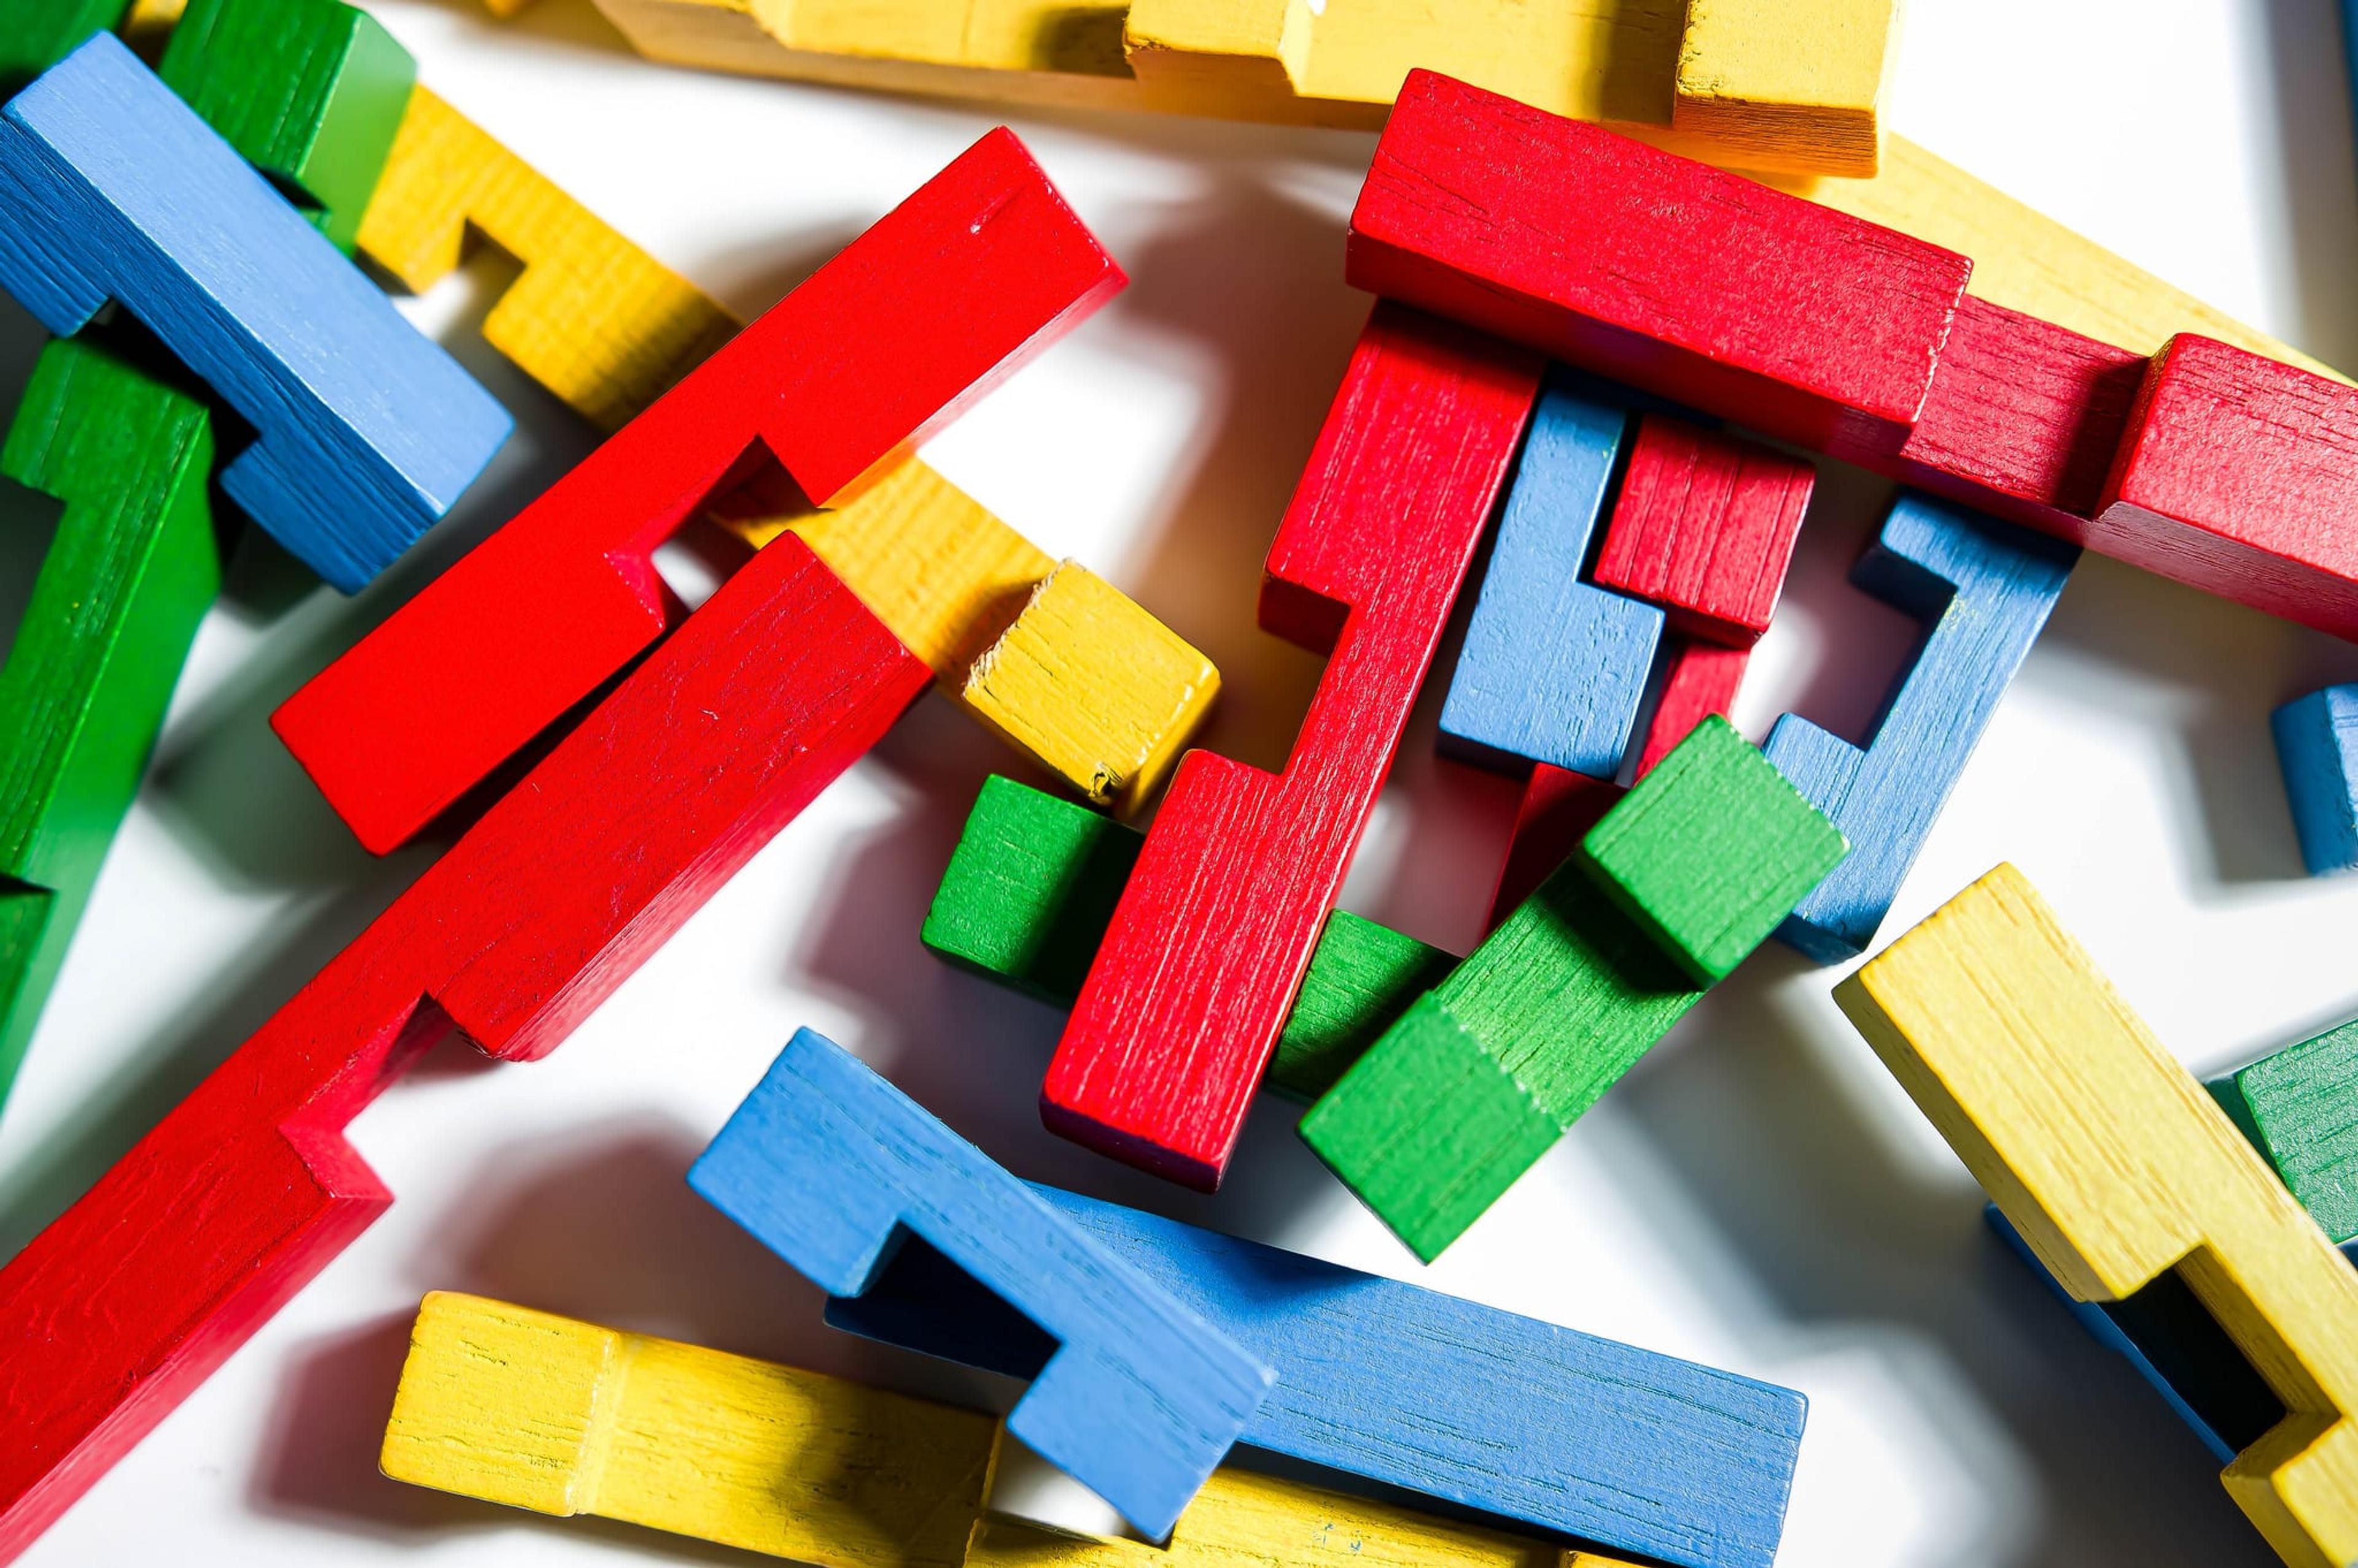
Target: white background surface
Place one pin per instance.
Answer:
(1758, 1194)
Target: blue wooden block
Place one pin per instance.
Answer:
(834, 1170)
(1554, 668)
(112, 188)
(1405, 1387)
(2317, 747)
(1986, 587)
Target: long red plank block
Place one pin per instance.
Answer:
(248, 1188)
(1560, 806)
(1210, 941)
(1702, 285)
(2239, 475)
(1704, 527)
(962, 282)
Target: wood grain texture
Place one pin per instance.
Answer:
(1517, 1419)
(238, 1195)
(1683, 280)
(2116, 1168)
(1788, 83)
(1704, 527)
(591, 317)
(311, 92)
(1986, 589)
(2299, 1108)
(2317, 752)
(562, 1417)
(1216, 930)
(1552, 668)
(36, 34)
(1428, 1127)
(133, 568)
(831, 1167)
(982, 267)
(112, 188)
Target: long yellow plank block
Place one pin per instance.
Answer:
(542, 1412)
(1788, 83)
(2115, 1166)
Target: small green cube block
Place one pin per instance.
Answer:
(2300, 1108)
(1711, 851)
(1362, 977)
(1031, 889)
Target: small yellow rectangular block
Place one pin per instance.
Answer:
(1788, 83)
(2115, 1166)
(542, 1412)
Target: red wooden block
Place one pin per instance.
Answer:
(1704, 527)
(980, 268)
(1560, 806)
(1696, 284)
(248, 1188)
(2239, 474)
(1214, 930)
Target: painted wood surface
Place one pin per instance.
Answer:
(1212, 937)
(2117, 1168)
(832, 1168)
(2300, 1108)
(2317, 752)
(562, 1417)
(1788, 83)
(112, 188)
(982, 267)
(121, 1307)
(36, 34)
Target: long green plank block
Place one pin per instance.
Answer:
(311, 92)
(1032, 884)
(36, 34)
(1481, 1077)
(130, 573)
(2300, 1108)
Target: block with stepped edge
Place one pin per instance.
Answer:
(2317, 751)
(1788, 83)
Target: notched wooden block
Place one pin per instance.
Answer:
(1788, 84)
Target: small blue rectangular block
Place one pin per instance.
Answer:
(1405, 1387)
(112, 188)
(834, 1170)
(1986, 587)
(2316, 748)
(1553, 668)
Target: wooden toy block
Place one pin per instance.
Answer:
(122, 1305)
(543, 1413)
(982, 267)
(147, 27)
(1361, 978)
(1521, 1420)
(2116, 1168)
(128, 576)
(36, 34)
(1094, 687)
(1552, 668)
(1704, 527)
(1986, 589)
(2239, 475)
(1213, 934)
(1698, 285)
(1709, 852)
(2300, 1108)
(832, 1168)
(1788, 83)
(1559, 806)
(311, 92)
(112, 188)
(2317, 751)
(1478, 1080)
(591, 317)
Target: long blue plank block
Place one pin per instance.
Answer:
(1409, 1387)
(835, 1170)
(111, 188)
(1986, 589)
(2316, 748)
(1553, 668)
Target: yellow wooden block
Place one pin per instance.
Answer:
(2115, 1165)
(1101, 691)
(1788, 83)
(147, 27)
(593, 318)
(542, 1412)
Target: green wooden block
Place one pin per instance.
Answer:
(2300, 1108)
(311, 92)
(133, 568)
(1711, 850)
(1361, 977)
(36, 34)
